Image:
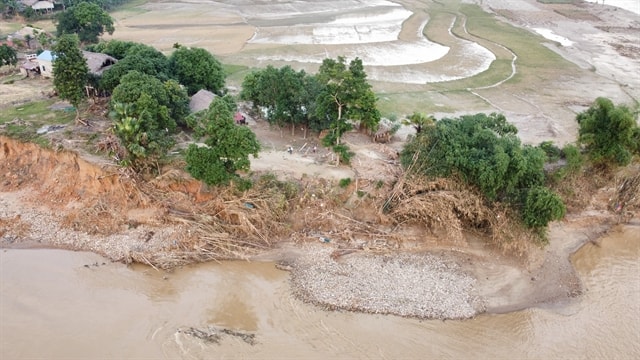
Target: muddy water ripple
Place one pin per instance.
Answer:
(67, 305)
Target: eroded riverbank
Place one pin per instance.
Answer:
(362, 267)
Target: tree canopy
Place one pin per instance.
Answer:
(227, 149)
(485, 152)
(132, 56)
(345, 96)
(287, 96)
(145, 112)
(608, 132)
(85, 19)
(70, 71)
(162, 104)
(196, 69)
(111, 78)
(419, 121)
(114, 47)
(8, 55)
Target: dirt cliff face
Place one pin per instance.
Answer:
(57, 176)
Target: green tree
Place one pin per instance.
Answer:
(9, 8)
(178, 101)
(145, 112)
(43, 39)
(111, 78)
(607, 132)
(133, 56)
(128, 128)
(116, 48)
(227, 149)
(8, 55)
(70, 71)
(286, 95)
(145, 144)
(419, 121)
(196, 69)
(85, 19)
(163, 104)
(485, 152)
(158, 60)
(346, 96)
(541, 207)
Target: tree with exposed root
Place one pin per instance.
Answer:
(70, 72)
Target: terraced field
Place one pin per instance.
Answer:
(538, 63)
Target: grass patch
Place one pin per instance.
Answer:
(22, 122)
(344, 182)
(128, 9)
(557, 1)
(10, 79)
(235, 73)
(526, 45)
(403, 103)
(9, 27)
(501, 39)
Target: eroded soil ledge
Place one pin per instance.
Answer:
(344, 252)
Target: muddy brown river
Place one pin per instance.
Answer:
(57, 304)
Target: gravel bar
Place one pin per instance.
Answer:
(423, 286)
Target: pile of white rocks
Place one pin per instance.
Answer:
(413, 285)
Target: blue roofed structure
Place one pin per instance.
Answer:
(45, 60)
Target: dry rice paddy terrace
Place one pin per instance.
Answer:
(537, 63)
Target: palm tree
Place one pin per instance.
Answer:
(419, 121)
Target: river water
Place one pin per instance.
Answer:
(57, 304)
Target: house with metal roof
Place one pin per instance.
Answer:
(45, 62)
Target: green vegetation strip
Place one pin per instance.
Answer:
(23, 121)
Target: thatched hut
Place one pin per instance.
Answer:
(201, 100)
(98, 62)
(383, 135)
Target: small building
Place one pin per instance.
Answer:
(96, 62)
(201, 100)
(45, 62)
(43, 6)
(29, 68)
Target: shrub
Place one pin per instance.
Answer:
(542, 206)
(485, 152)
(227, 149)
(553, 152)
(607, 131)
(345, 182)
(343, 152)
